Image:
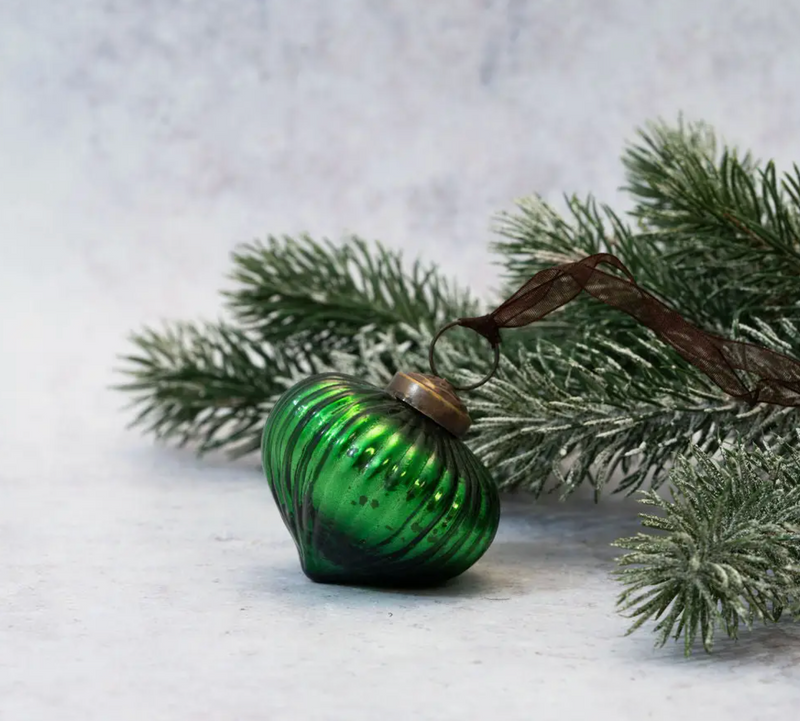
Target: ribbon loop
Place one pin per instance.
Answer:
(726, 362)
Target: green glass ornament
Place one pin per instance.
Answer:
(373, 490)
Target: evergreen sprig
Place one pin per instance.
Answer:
(614, 415)
(726, 552)
(296, 303)
(726, 225)
(536, 236)
(210, 385)
(320, 294)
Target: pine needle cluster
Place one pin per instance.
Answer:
(728, 549)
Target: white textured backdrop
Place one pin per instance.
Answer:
(139, 142)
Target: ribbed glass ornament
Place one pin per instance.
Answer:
(373, 491)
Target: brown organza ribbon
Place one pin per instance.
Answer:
(776, 376)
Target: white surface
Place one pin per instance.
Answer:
(141, 141)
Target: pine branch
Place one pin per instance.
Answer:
(321, 295)
(536, 237)
(299, 304)
(604, 410)
(591, 394)
(726, 551)
(783, 336)
(584, 413)
(722, 221)
(209, 385)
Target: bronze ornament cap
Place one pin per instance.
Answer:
(434, 397)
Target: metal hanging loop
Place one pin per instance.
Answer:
(485, 379)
